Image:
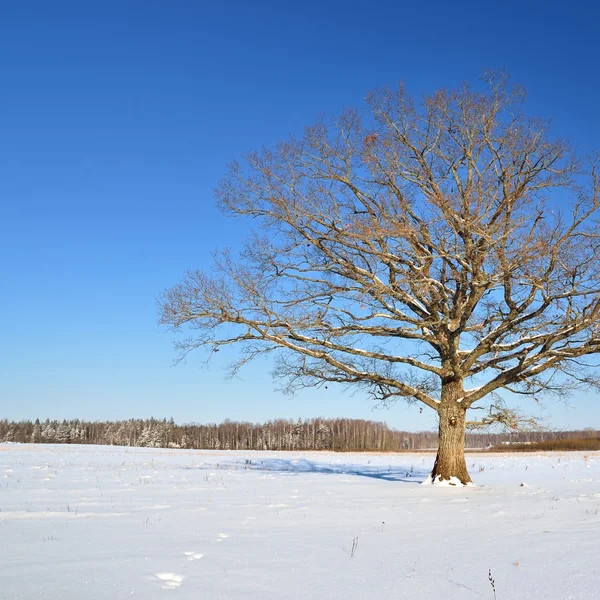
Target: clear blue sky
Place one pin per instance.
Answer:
(116, 121)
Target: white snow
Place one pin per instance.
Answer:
(452, 482)
(101, 522)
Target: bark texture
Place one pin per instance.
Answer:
(450, 460)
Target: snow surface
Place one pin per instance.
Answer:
(100, 522)
(453, 481)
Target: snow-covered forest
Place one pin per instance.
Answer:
(281, 434)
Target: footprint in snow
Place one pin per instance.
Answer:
(170, 581)
(193, 555)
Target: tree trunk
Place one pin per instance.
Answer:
(450, 465)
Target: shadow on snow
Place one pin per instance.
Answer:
(402, 473)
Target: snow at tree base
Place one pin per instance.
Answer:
(100, 522)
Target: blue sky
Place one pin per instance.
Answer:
(117, 119)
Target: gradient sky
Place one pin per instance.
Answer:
(117, 119)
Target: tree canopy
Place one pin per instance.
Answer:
(441, 251)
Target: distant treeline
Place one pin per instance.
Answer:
(281, 434)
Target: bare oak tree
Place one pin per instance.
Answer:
(442, 251)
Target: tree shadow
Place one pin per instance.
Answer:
(398, 473)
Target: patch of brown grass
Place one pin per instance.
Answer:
(565, 444)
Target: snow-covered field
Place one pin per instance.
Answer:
(97, 522)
